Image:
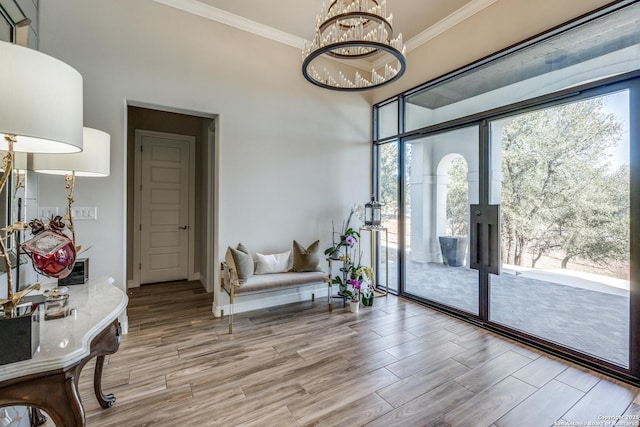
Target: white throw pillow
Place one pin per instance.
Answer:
(273, 263)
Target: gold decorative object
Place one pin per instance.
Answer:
(12, 301)
(70, 179)
(7, 165)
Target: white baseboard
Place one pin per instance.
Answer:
(216, 309)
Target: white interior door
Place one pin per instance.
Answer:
(164, 207)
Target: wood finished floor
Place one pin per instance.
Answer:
(394, 364)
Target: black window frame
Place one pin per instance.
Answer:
(630, 375)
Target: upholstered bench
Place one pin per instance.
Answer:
(269, 277)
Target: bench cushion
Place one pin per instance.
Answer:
(270, 282)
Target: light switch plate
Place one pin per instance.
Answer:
(79, 213)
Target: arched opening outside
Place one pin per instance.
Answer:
(453, 214)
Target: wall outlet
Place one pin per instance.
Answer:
(48, 212)
(84, 213)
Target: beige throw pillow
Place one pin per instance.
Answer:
(243, 262)
(308, 259)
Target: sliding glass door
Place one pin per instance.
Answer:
(523, 221)
(512, 187)
(441, 181)
(562, 180)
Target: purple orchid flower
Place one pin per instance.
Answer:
(355, 283)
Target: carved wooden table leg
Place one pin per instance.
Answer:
(53, 391)
(105, 343)
(50, 381)
(106, 401)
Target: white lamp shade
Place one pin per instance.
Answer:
(41, 102)
(92, 161)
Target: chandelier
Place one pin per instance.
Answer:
(352, 30)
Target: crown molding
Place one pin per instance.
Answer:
(198, 8)
(213, 13)
(449, 22)
(443, 25)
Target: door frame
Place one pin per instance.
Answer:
(137, 209)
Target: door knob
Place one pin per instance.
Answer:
(183, 227)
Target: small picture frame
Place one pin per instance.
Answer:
(78, 276)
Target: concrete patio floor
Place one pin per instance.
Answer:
(573, 311)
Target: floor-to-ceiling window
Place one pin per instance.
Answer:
(441, 181)
(388, 194)
(563, 185)
(511, 187)
(390, 208)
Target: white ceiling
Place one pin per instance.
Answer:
(293, 21)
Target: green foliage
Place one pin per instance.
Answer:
(344, 242)
(457, 211)
(347, 237)
(559, 191)
(355, 277)
(388, 178)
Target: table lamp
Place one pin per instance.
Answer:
(93, 161)
(40, 112)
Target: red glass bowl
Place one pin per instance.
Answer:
(52, 254)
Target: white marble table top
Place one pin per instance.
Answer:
(64, 342)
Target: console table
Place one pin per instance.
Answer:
(49, 380)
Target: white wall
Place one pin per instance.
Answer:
(280, 137)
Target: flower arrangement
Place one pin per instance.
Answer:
(347, 238)
(367, 294)
(355, 277)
